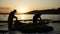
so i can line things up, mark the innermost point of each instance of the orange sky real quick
(8, 5)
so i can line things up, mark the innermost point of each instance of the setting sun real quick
(22, 10)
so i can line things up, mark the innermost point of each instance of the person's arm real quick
(15, 17)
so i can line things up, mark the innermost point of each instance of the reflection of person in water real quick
(10, 19)
(35, 18)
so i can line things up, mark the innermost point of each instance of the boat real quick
(31, 28)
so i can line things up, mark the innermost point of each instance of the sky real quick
(28, 4)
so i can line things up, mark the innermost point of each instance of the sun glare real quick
(22, 16)
(22, 10)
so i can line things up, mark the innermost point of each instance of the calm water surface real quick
(30, 16)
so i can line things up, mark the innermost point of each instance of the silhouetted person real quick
(35, 18)
(10, 19)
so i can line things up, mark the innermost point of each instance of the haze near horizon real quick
(27, 5)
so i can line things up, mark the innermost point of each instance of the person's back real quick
(11, 15)
(35, 18)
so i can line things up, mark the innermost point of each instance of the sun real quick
(22, 10)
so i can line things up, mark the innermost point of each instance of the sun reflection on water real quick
(22, 17)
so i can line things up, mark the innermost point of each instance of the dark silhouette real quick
(10, 19)
(17, 25)
(47, 11)
(35, 18)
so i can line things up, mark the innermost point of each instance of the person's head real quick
(15, 10)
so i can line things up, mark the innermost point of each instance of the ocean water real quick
(56, 26)
(30, 16)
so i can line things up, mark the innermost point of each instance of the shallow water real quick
(56, 27)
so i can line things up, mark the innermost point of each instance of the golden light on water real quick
(22, 17)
